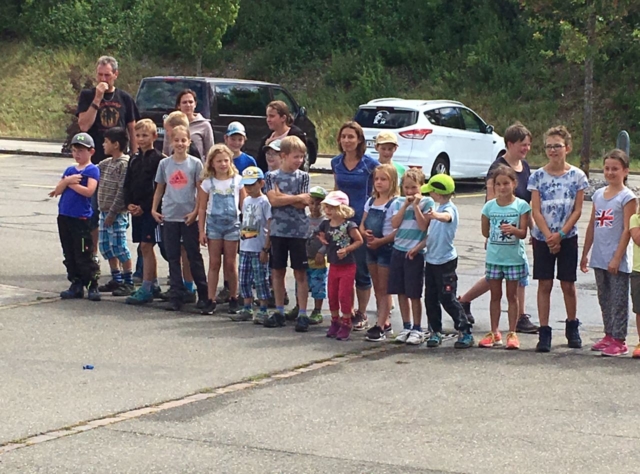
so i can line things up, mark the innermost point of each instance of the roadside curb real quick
(49, 154)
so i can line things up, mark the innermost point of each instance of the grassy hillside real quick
(37, 93)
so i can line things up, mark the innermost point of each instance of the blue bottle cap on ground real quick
(87, 367)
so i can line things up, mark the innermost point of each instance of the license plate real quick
(160, 132)
(371, 144)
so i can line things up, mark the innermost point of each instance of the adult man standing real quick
(99, 109)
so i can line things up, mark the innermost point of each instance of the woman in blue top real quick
(353, 174)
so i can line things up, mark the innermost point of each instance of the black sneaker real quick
(174, 305)
(157, 292)
(209, 307)
(375, 334)
(190, 297)
(572, 333)
(124, 289)
(163, 295)
(525, 325)
(544, 339)
(233, 306)
(275, 320)
(359, 321)
(388, 330)
(201, 304)
(93, 294)
(109, 287)
(302, 324)
(75, 291)
(467, 310)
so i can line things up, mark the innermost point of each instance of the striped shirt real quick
(111, 189)
(408, 234)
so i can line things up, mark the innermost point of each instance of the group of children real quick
(408, 229)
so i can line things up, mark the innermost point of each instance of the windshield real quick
(161, 94)
(385, 117)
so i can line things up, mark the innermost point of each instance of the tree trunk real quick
(587, 120)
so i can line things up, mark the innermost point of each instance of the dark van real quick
(224, 101)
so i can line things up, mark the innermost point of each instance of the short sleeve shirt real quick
(440, 248)
(408, 234)
(243, 161)
(338, 238)
(71, 203)
(523, 177)
(557, 197)
(223, 187)
(356, 183)
(608, 228)
(391, 211)
(256, 213)
(503, 249)
(181, 179)
(287, 221)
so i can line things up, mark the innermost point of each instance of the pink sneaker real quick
(602, 344)
(334, 328)
(615, 349)
(345, 330)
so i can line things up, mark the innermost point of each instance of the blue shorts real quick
(523, 282)
(317, 280)
(222, 231)
(112, 240)
(380, 256)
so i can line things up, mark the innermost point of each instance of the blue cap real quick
(236, 128)
(251, 174)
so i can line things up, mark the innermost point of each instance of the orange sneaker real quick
(512, 341)
(636, 352)
(491, 340)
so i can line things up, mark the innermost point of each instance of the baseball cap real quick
(439, 184)
(236, 128)
(318, 192)
(386, 137)
(335, 198)
(274, 145)
(83, 139)
(251, 174)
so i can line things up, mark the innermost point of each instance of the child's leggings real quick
(613, 296)
(342, 279)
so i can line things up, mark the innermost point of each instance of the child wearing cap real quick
(342, 237)
(386, 146)
(235, 139)
(317, 255)
(441, 281)
(220, 199)
(254, 246)
(75, 188)
(272, 155)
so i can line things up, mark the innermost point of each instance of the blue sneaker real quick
(140, 296)
(302, 324)
(465, 341)
(434, 340)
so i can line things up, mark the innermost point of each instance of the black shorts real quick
(406, 276)
(284, 247)
(145, 229)
(544, 262)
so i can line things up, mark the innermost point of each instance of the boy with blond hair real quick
(386, 146)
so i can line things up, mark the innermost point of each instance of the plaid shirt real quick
(111, 189)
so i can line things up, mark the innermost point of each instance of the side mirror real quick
(302, 112)
(489, 129)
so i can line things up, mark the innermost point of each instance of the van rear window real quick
(385, 117)
(160, 95)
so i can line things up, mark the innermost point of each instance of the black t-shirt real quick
(117, 109)
(523, 177)
(338, 238)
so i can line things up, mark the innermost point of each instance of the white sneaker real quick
(402, 336)
(415, 337)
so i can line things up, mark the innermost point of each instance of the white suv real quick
(441, 136)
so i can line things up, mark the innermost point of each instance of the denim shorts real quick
(380, 256)
(217, 230)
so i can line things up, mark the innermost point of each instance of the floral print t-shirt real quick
(338, 238)
(557, 197)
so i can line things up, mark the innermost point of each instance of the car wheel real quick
(441, 165)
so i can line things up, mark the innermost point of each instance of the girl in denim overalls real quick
(378, 234)
(221, 197)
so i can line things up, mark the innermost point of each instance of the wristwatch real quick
(562, 234)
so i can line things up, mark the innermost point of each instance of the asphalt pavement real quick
(189, 393)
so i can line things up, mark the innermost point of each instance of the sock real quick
(116, 276)
(406, 326)
(147, 285)
(128, 278)
(263, 309)
(191, 286)
(302, 312)
(417, 327)
(280, 309)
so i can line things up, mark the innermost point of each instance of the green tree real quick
(198, 26)
(585, 27)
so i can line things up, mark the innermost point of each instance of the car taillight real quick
(417, 134)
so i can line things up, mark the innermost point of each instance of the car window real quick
(161, 94)
(471, 121)
(385, 117)
(244, 100)
(450, 118)
(279, 94)
(433, 116)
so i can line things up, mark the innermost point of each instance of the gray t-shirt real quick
(287, 221)
(608, 228)
(181, 179)
(256, 213)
